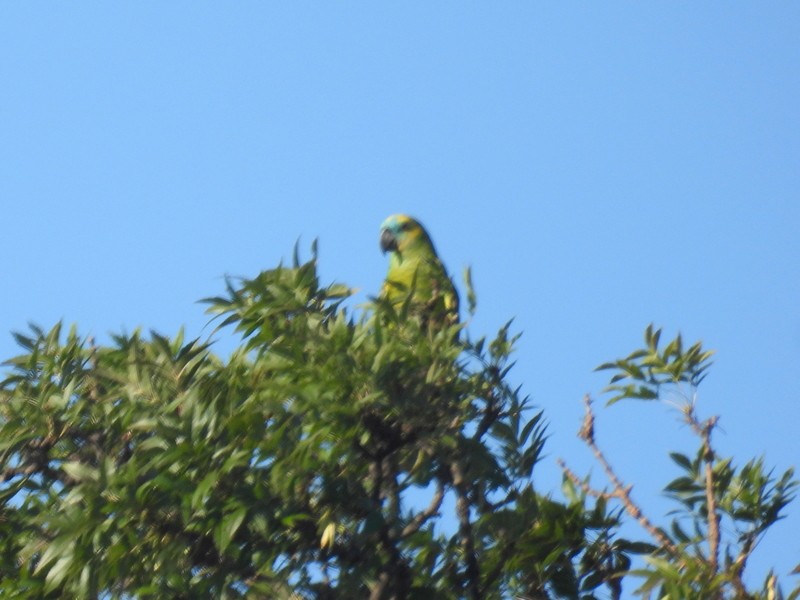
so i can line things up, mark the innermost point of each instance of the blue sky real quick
(599, 166)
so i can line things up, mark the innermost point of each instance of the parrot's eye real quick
(405, 226)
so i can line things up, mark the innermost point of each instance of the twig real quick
(587, 489)
(621, 492)
(490, 413)
(741, 561)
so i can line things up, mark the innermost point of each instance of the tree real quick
(332, 455)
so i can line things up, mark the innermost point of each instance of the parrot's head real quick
(401, 234)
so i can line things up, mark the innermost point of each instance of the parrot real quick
(415, 268)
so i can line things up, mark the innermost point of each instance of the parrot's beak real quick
(388, 241)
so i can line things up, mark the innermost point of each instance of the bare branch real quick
(621, 492)
(432, 510)
(587, 489)
(703, 430)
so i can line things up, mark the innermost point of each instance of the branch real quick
(421, 518)
(34, 458)
(621, 492)
(392, 495)
(393, 573)
(585, 487)
(704, 431)
(465, 530)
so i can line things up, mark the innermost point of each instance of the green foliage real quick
(332, 455)
(723, 511)
(645, 371)
(316, 462)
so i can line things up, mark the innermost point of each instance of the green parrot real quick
(415, 268)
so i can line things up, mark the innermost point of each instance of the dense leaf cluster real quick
(331, 455)
(327, 457)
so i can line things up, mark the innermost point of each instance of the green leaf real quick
(681, 460)
(80, 471)
(203, 488)
(57, 573)
(226, 530)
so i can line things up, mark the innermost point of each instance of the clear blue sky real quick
(600, 167)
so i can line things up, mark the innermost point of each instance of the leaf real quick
(200, 493)
(328, 536)
(226, 530)
(338, 290)
(57, 573)
(681, 460)
(636, 547)
(472, 301)
(80, 471)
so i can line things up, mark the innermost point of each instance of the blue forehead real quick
(395, 223)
